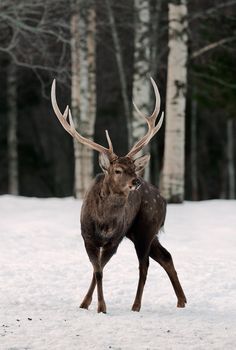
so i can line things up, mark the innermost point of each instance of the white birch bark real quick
(142, 66)
(230, 158)
(91, 77)
(155, 16)
(13, 181)
(83, 90)
(174, 158)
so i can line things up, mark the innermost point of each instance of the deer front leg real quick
(142, 250)
(95, 258)
(101, 301)
(105, 255)
(99, 257)
(88, 297)
(107, 252)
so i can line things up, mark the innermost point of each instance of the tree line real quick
(102, 54)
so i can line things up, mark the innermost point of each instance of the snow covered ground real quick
(44, 274)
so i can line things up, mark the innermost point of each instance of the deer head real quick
(121, 172)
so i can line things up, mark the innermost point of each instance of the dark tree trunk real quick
(13, 181)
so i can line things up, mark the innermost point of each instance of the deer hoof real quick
(85, 303)
(181, 303)
(136, 307)
(102, 308)
(84, 306)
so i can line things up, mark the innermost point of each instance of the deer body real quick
(124, 212)
(121, 203)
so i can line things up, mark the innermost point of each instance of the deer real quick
(120, 203)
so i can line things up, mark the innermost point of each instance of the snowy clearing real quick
(45, 273)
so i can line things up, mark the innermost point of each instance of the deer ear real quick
(104, 162)
(141, 162)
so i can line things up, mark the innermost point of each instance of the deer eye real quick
(117, 171)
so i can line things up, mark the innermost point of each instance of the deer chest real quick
(108, 231)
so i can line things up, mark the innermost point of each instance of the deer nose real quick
(136, 183)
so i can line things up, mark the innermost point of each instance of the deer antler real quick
(152, 129)
(70, 128)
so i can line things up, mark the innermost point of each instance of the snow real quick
(45, 273)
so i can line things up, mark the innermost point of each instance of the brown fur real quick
(112, 209)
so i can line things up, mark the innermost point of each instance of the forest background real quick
(102, 54)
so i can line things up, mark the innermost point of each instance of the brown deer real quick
(121, 203)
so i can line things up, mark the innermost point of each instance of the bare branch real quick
(212, 46)
(215, 80)
(212, 10)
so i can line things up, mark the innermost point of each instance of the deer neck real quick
(110, 212)
(110, 197)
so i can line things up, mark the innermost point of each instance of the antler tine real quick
(109, 141)
(158, 99)
(152, 129)
(62, 118)
(70, 127)
(151, 119)
(143, 142)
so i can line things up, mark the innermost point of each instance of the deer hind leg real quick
(163, 257)
(142, 251)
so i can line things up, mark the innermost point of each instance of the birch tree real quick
(155, 63)
(142, 66)
(174, 159)
(83, 89)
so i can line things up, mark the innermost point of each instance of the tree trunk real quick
(83, 90)
(13, 180)
(155, 16)
(121, 70)
(141, 83)
(174, 159)
(230, 159)
(193, 155)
